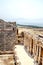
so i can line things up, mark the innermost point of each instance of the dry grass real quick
(32, 31)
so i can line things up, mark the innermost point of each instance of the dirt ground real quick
(22, 57)
(31, 30)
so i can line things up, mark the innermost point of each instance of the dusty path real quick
(23, 57)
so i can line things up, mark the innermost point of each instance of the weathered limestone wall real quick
(7, 35)
(28, 43)
(38, 49)
(20, 37)
(34, 44)
(35, 47)
(7, 59)
(40, 57)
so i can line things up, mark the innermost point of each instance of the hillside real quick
(29, 26)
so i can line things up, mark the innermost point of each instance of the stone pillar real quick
(42, 60)
(30, 45)
(36, 54)
(39, 55)
(33, 48)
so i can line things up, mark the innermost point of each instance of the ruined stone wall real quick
(7, 35)
(26, 42)
(27, 39)
(34, 45)
(38, 49)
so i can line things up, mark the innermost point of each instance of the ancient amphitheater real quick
(20, 46)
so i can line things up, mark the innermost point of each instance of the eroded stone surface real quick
(6, 59)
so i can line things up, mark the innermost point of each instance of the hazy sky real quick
(27, 9)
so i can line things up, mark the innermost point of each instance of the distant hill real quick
(29, 26)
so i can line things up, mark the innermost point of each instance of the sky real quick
(22, 9)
